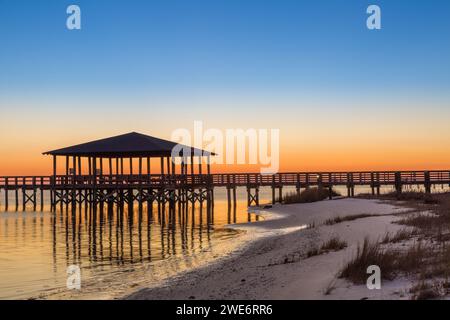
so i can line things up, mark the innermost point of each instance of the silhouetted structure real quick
(88, 178)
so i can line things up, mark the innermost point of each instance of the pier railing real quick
(299, 179)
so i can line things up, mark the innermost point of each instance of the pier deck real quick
(192, 187)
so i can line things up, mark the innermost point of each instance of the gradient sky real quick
(343, 97)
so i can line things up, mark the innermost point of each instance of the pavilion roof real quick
(132, 144)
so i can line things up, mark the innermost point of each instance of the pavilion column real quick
(140, 168)
(101, 167)
(67, 170)
(208, 165)
(162, 166)
(110, 169)
(168, 165)
(200, 165)
(148, 168)
(121, 166)
(131, 166)
(79, 167)
(89, 167)
(173, 166)
(192, 164)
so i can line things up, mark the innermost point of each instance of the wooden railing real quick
(299, 179)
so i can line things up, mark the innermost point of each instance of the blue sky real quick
(342, 96)
(219, 47)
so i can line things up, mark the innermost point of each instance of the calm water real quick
(117, 253)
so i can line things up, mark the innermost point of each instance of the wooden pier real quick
(172, 188)
(104, 171)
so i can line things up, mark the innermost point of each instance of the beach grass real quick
(309, 195)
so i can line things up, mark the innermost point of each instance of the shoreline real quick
(272, 265)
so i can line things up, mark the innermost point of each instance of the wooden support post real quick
(148, 169)
(34, 193)
(6, 193)
(257, 195)
(398, 182)
(208, 165)
(168, 165)
(172, 160)
(280, 193)
(94, 167)
(427, 182)
(74, 180)
(53, 187)
(80, 171)
(16, 191)
(378, 183)
(274, 200)
(372, 183)
(24, 194)
(67, 167)
(348, 186)
(42, 193)
(131, 166)
(200, 165)
(110, 169)
(90, 169)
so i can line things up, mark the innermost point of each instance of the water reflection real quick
(113, 245)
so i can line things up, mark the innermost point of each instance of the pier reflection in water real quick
(116, 248)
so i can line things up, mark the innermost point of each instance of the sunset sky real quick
(344, 97)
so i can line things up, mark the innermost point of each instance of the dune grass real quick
(340, 219)
(309, 195)
(391, 261)
(332, 244)
(400, 235)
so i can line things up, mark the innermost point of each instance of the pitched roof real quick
(132, 144)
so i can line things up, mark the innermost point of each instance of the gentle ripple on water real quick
(116, 252)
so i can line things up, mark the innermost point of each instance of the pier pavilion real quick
(95, 171)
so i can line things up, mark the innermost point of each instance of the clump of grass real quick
(309, 195)
(340, 219)
(422, 221)
(366, 255)
(330, 287)
(312, 252)
(400, 235)
(332, 244)
(390, 261)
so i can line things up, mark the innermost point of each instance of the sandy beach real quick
(275, 265)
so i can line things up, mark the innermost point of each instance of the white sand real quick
(258, 272)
